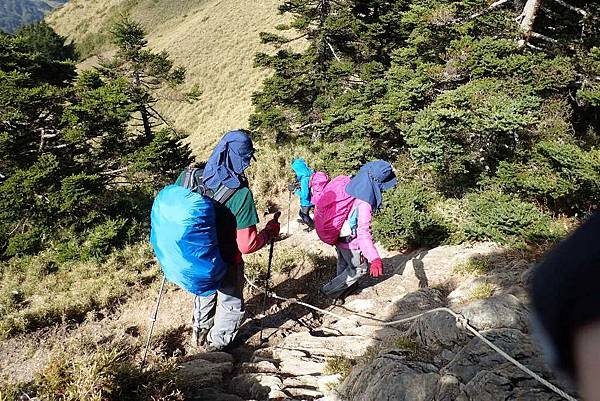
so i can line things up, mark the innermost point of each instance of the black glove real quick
(293, 186)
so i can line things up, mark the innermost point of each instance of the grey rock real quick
(499, 311)
(202, 373)
(303, 393)
(257, 385)
(258, 367)
(391, 377)
(213, 394)
(418, 301)
(477, 356)
(507, 382)
(349, 346)
(449, 389)
(437, 330)
(464, 290)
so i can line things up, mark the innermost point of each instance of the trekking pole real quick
(152, 321)
(271, 246)
(288, 213)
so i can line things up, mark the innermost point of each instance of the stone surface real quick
(449, 389)
(464, 290)
(391, 377)
(349, 346)
(434, 266)
(477, 356)
(499, 311)
(437, 330)
(496, 384)
(257, 385)
(213, 394)
(418, 301)
(202, 373)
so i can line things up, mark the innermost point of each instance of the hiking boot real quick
(198, 338)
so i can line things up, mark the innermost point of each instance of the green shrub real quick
(25, 243)
(339, 365)
(468, 131)
(561, 176)
(406, 343)
(508, 220)
(345, 158)
(407, 219)
(477, 266)
(482, 291)
(102, 238)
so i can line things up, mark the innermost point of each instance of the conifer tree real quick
(448, 85)
(144, 70)
(72, 171)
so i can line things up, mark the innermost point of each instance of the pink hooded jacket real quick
(364, 240)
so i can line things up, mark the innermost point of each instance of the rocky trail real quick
(310, 356)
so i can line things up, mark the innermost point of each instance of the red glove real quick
(376, 268)
(272, 227)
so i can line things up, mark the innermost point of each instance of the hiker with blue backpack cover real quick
(201, 226)
(301, 188)
(343, 214)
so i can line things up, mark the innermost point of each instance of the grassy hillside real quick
(215, 40)
(16, 13)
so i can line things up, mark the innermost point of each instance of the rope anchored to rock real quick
(461, 322)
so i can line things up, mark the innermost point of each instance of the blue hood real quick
(371, 180)
(301, 169)
(228, 160)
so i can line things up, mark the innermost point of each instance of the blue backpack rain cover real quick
(184, 238)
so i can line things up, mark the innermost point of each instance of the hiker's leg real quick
(341, 262)
(230, 308)
(305, 216)
(358, 266)
(347, 274)
(204, 311)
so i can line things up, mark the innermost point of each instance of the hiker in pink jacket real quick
(356, 251)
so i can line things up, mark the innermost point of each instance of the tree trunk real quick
(529, 13)
(146, 122)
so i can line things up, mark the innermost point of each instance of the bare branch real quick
(492, 6)
(162, 118)
(543, 37)
(333, 51)
(571, 7)
(112, 172)
(534, 47)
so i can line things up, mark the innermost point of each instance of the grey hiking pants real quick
(222, 312)
(351, 266)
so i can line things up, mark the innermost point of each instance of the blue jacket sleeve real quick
(304, 193)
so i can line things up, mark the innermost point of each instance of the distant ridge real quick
(17, 13)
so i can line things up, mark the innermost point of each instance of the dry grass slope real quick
(214, 39)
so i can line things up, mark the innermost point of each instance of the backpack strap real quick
(194, 181)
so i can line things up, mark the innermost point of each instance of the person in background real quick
(301, 188)
(356, 252)
(216, 318)
(565, 292)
